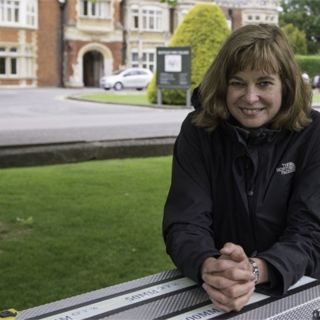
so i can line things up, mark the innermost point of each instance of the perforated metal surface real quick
(183, 300)
(162, 307)
(298, 306)
(93, 295)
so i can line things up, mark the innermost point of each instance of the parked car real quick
(133, 78)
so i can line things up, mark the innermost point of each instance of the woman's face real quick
(254, 97)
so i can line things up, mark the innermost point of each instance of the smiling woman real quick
(242, 213)
(253, 97)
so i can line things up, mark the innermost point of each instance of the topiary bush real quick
(204, 28)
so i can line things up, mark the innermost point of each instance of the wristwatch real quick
(255, 270)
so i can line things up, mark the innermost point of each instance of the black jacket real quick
(260, 190)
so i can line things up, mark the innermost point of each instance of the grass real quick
(69, 229)
(135, 99)
(140, 98)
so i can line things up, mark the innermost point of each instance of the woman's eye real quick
(264, 84)
(236, 83)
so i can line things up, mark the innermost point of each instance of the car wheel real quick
(139, 89)
(118, 86)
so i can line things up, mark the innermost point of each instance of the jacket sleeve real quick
(297, 252)
(187, 214)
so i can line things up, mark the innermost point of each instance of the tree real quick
(171, 3)
(204, 28)
(305, 15)
(296, 38)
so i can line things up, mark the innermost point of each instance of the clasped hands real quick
(228, 280)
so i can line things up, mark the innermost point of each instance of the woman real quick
(244, 203)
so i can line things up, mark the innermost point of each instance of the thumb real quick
(235, 252)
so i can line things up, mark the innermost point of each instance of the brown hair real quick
(261, 47)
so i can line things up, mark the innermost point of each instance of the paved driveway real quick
(45, 115)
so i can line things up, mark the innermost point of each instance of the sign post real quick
(173, 70)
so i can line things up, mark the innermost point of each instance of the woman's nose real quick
(251, 95)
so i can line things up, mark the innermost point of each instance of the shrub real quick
(204, 29)
(309, 64)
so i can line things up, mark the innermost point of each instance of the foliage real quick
(305, 15)
(296, 38)
(171, 3)
(204, 28)
(116, 98)
(309, 64)
(70, 229)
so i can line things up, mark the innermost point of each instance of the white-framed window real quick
(8, 61)
(21, 13)
(147, 59)
(134, 59)
(16, 62)
(98, 9)
(135, 18)
(10, 11)
(31, 13)
(146, 18)
(151, 19)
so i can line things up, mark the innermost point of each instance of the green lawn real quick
(132, 98)
(69, 229)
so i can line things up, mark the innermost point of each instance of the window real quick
(9, 11)
(31, 13)
(135, 18)
(8, 61)
(98, 9)
(21, 13)
(148, 60)
(134, 59)
(2, 65)
(17, 62)
(151, 19)
(146, 19)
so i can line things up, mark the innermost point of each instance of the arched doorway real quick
(93, 68)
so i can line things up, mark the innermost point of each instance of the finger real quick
(235, 252)
(241, 302)
(238, 290)
(220, 306)
(225, 303)
(219, 265)
(238, 274)
(219, 300)
(218, 281)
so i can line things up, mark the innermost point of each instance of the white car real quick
(133, 78)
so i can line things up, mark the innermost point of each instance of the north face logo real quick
(286, 168)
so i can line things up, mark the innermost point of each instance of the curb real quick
(153, 106)
(37, 155)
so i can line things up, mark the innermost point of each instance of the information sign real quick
(173, 67)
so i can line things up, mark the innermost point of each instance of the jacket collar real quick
(249, 136)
